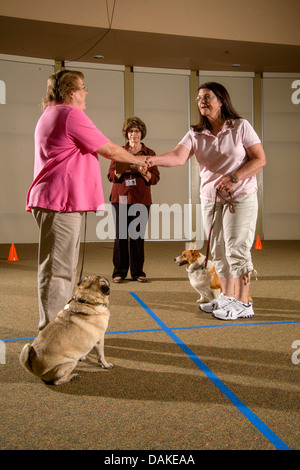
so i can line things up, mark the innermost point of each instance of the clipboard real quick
(123, 167)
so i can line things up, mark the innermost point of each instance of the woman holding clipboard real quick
(131, 200)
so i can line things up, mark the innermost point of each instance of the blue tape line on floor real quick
(6, 340)
(262, 427)
(196, 327)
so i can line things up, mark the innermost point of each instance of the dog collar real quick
(87, 302)
(66, 307)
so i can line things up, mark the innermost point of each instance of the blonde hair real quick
(59, 86)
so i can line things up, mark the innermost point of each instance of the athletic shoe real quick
(234, 310)
(219, 302)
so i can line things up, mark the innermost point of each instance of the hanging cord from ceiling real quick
(110, 21)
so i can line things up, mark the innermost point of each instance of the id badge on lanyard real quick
(130, 182)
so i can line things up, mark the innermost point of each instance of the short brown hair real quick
(59, 86)
(134, 122)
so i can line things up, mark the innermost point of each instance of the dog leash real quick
(231, 209)
(84, 242)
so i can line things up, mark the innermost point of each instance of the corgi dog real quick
(204, 280)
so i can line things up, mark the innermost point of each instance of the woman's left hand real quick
(226, 184)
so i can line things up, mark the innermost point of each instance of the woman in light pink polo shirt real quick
(230, 154)
(67, 182)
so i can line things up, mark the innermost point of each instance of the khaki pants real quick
(59, 244)
(232, 235)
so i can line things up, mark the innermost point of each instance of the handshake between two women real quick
(144, 165)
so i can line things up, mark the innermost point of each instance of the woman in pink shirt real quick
(230, 154)
(67, 182)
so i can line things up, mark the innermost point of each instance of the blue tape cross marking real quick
(197, 327)
(262, 427)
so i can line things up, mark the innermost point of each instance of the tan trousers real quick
(232, 235)
(59, 244)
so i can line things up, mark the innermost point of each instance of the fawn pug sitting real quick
(78, 328)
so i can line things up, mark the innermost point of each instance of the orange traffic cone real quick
(258, 245)
(12, 254)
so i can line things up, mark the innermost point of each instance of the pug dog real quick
(77, 329)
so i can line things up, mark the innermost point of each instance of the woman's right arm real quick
(114, 152)
(176, 157)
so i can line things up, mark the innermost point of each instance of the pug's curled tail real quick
(25, 357)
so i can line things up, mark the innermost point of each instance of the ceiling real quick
(64, 42)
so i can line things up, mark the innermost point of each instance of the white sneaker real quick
(234, 310)
(219, 302)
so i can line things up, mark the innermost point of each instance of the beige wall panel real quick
(282, 145)
(25, 86)
(161, 100)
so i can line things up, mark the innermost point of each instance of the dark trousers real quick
(129, 241)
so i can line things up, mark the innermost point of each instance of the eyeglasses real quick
(85, 88)
(204, 98)
(133, 131)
